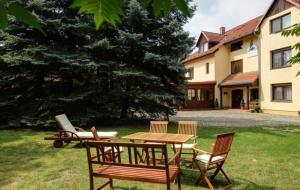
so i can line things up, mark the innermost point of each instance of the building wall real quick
(249, 63)
(199, 66)
(270, 76)
(222, 70)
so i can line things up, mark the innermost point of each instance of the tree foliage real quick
(133, 70)
(102, 10)
(294, 31)
(13, 8)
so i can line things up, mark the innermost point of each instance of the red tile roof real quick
(235, 33)
(213, 37)
(240, 79)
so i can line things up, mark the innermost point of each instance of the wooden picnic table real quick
(160, 137)
(167, 138)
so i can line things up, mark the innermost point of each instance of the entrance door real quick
(237, 96)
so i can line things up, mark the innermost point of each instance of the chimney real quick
(222, 30)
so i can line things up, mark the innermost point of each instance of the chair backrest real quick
(158, 127)
(187, 127)
(65, 124)
(95, 134)
(131, 156)
(223, 144)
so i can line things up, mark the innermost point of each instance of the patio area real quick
(235, 118)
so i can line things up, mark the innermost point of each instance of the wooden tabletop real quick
(159, 137)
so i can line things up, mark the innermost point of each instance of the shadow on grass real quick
(189, 178)
(125, 188)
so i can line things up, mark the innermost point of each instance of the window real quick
(280, 58)
(204, 94)
(236, 45)
(280, 23)
(254, 94)
(282, 92)
(203, 47)
(237, 66)
(207, 68)
(191, 94)
(190, 73)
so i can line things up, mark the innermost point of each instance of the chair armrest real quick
(79, 129)
(202, 151)
(175, 158)
(63, 132)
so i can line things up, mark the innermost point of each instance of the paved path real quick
(236, 118)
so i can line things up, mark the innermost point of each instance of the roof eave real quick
(186, 62)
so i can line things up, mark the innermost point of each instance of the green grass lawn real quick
(261, 158)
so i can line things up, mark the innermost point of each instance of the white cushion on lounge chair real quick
(205, 158)
(65, 123)
(185, 146)
(109, 148)
(100, 134)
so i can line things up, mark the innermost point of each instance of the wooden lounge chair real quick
(68, 133)
(214, 159)
(188, 128)
(129, 167)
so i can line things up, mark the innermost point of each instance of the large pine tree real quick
(132, 70)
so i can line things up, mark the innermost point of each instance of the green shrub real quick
(257, 108)
(242, 104)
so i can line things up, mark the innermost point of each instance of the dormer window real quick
(203, 47)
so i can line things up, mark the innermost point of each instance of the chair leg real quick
(219, 167)
(178, 182)
(209, 183)
(168, 185)
(110, 183)
(91, 183)
(227, 178)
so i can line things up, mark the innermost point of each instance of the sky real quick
(210, 15)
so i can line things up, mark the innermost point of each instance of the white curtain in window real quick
(189, 94)
(278, 93)
(288, 93)
(286, 21)
(277, 60)
(287, 56)
(198, 95)
(276, 25)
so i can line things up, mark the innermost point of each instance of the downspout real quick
(255, 33)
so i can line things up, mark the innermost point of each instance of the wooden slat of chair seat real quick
(136, 173)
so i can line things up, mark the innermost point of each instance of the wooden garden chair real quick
(158, 127)
(108, 151)
(214, 159)
(188, 128)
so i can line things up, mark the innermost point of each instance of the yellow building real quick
(248, 63)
